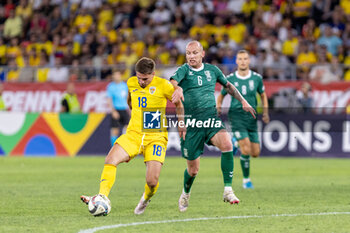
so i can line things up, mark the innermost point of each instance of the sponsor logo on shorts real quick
(185, 153)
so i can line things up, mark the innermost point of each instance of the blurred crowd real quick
(61, 40)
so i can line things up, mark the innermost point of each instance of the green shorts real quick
(241, 133)
(193, 146)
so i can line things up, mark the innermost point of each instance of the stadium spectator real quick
(106, 71)
(13, 26)
(65, 9)
(301, 12)
(2, 103)
(161, 17)
(310, 31)
(272, 18)
(83, 21)
(218, 29)
(226, 43)
(69, 102)
(324, 72)
(305, 98)
(330, 40)
(290, 45)
(56, 21)
(181, 42)
(8, 7)
(91, 5)
(3, 52)
(58, 73)
(202, 7)
(2, 20)
(97, 60)
(236, 30)
(229, 60)
(319, 8)
(89, 73)
(43, 71)
(24, 10)
(200, 27)
(74, 70)
(140, 28)
(277, 66)
(235, 6)
(26, 73)
(248, 9)
(305, 59)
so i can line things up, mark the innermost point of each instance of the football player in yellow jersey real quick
(145, 134)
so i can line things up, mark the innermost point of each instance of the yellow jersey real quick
(148, 106)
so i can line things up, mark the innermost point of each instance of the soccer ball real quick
(99, 205)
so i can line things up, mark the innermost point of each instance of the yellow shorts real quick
(152, 146)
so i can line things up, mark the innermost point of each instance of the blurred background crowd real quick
(68, 40)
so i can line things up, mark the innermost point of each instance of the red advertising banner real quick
(46, 97)
(327, 98)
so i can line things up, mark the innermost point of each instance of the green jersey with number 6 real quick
(248, 86)
(199, 87)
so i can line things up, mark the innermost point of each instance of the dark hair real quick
(145, 66)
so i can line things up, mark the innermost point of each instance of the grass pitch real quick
(42, 195)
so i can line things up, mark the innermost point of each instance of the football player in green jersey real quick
(195, 82)
(244, 127)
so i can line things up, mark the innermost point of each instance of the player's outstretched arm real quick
(232, 90)
(178, 93)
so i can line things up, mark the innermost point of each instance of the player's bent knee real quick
(193, 171)
(255, 154)
(152, 182)
(226, 146)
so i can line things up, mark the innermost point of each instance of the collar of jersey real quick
(244, 77)
(198, 69)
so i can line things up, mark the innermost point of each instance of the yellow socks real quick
(107, 179)
(149, 192)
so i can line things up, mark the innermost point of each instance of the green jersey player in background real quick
(195, 84)
(243, 125)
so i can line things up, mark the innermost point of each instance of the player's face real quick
(144, 79)
(71, 88)
(194, 55)
(243, 61)
(117, 77)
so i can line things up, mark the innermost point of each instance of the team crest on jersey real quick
(207, 73)
(236, 84)
(190, 73)
(152, 90)
(151, 119)
(251, 85)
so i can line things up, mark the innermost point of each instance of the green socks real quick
(227, 167)
(245, 164)
(188, 181)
